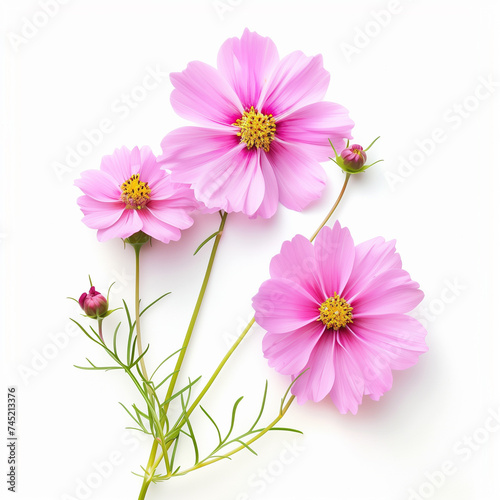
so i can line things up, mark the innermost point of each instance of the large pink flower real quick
(263, 131)
(133, 193)
(336, 313)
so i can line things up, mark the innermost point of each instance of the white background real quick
(402, 73)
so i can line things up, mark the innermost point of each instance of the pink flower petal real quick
(315, 383)
(128, 224)
(314, 125)
(189, 151)
(296, 262)
(334, 251)
(347, 390)
(235, 183)
(297, 81)
(202, 95)
(282, 306)
(158, 229)
(246, 64)
(165, 212)
(148, 169)
(301, 179)
(135, 161)
(372, 258)
(373, 362)
(99, 214)
(401, 337)
(117, 165)
(270, 202)
(392, 291)
(289, 352)
(99, 185)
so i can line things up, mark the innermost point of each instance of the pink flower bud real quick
(354, 157)
(94, 304)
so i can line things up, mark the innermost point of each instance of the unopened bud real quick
(353, 158)
(94, 304)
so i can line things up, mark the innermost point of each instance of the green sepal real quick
(138, 239)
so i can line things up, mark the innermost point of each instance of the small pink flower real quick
(336, 313)
(263, 128)
(131, 193)
(93, 303)
(354, 156)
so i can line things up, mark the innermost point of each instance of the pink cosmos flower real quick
(263, 130)
(337, 313)
(131, 193)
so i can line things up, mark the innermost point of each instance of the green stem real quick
(196, 311)
(335, 205)
(99, 324)
(210, 382)
(151, 466)
(137, 249)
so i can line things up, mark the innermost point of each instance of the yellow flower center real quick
(256, 130)
(335, 312)
(135, 193)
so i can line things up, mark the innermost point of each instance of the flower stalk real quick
(154, 462)
(137, 249)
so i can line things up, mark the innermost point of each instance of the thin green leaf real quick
(165, 379)
(94, 367)
(131, 416)
(233, 416)
(132, 353)
(181, 391)
(289, 388)
(213, 235)
(174, 451)
(191, 432)
(213, 422)
(246, 446)
(153, 303)
(165, 360)
(261, 408)
(140, 430)
(139, 358)
(288, 429)
(134, 406)
(114, 338)
(85, 332)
